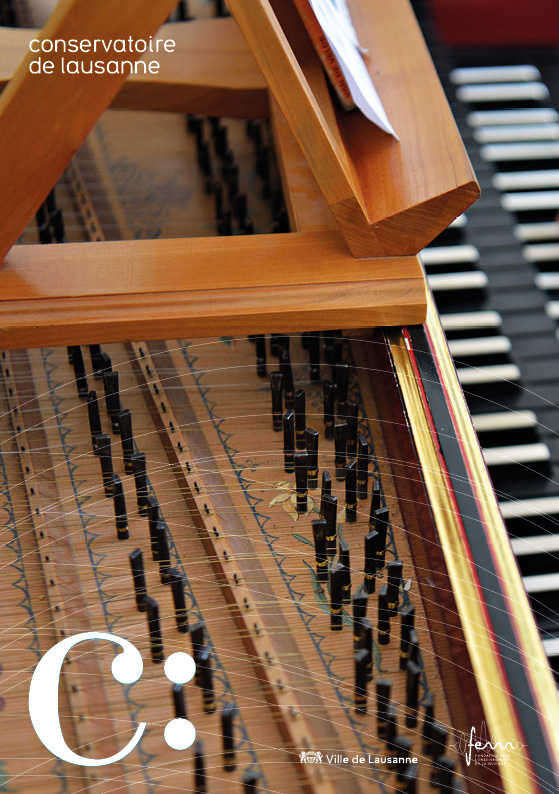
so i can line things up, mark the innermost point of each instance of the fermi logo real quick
(127, 667)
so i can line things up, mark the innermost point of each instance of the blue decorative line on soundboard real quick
(30, 623)
(227, 694)
(327, 659)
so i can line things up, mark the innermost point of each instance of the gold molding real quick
(498, 705)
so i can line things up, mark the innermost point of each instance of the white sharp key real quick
(498, 373)
(541, 583)
(552, 310)
(511, 152)
(466, 321)
(504, 420)
(485, 118)
(503, 92)
(526, 180)
(547, 281)
(451, 282)
(459, 222)
(449, 255)
(518, 454)
(479, 346)
(516, 133)
(532, 232)
(527, 202)
(494, 74)
(531, 508)
(545, 252)
(551, 646)
(537, 544)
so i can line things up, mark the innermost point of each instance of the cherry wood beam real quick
(81, 293)
(191, 79)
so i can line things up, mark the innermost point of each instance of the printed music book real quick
(329, 25)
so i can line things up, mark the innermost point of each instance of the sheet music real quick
(334, 18)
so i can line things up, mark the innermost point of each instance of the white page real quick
(334, 19)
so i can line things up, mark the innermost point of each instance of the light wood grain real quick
(130, 290)
(45, 118)
(401, 194)
(191, 79)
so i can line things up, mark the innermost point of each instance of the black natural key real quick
(300, 418)
(119, 503)
(340, 441)
(336, 584)
(344, 561)
(311, 439)
(314, 355)
(361, 679)
(351, 492)
(382, 519)
(301, 471)
(153, 518)
(200, 784)
(288, 387)
(359, 613)
(177, 588)
(329, 395)
(402, 746)
(154, 625)
(284, 342)
(250, 782)
(321, 557)
(228, 737)
(330, 512)
(112, 398)
(276, 382)
(93, 414)
(138, 575)
(179, 702)
(79, 371)
(261, 356)
(288, 442)
(407, 624)
(384, 687)
(351, 419)
(375, 504)
(383, 617)
(325, 490)
(127, 439)
(412, 687)
(372, 540)
(428, 722)
(274, 346)
(103, 451)
(204, 663)
(328, 338)
(163, 556)
(138, 461)
(342, 380)
(362, 468)
(394, 573)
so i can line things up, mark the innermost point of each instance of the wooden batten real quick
(133, 290)
(191, 79)
(388, 197)
(45, 118)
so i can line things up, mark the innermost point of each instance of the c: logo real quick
(127, 668)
